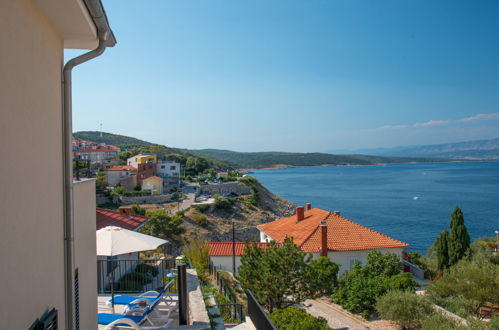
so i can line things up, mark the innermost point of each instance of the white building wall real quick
(85, 250)
(168, 169)
(225, 262)
(346, 259)
(32, 232)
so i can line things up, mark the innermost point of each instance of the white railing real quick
(415, 270)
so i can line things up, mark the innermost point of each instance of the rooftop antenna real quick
(100, 129)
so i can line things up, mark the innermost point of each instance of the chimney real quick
(300, 213)
(126, 211)
(308, 206)
(336, 213)
(323, 228)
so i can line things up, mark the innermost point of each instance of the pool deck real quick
(118, 309)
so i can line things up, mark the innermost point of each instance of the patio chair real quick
(135, 318)
(145, 298)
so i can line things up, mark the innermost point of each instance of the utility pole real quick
(101, 130)
(233, 248)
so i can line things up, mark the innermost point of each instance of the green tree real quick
(275, 274)
(162, 224)
(442, 250)
(404, 307)
(359, 288)
(321, 276)
(459, 239)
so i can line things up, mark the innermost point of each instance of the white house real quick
(324, 233)
(168, 169)
(319, 232)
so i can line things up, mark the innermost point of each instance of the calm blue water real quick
(381, 197)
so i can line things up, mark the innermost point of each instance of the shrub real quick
(145, 269)
(437, 321)
(202, 208)
(198, 251)
(200, 219)
(138, 210)
(292, 318)
(248, 180)
(402, 281)
(223, 203)
(476, 280)
(404, 307)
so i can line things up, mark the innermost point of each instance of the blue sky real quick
(294, 75)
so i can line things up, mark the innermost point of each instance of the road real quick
(335, 319)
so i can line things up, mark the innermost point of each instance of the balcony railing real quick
(135, 275)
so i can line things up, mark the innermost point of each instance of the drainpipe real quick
(68, 175)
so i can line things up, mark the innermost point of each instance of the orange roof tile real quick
(122, 168)
(219, 249)
(112, 218)
(342, 234)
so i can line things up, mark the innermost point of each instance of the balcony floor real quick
(103, 308)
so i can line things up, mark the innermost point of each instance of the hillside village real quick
(104, 235)
(149, 193)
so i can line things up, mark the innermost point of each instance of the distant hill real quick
(114, 139)
(477, 149)
(132, 146)
(278, 159)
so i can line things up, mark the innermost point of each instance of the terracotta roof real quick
(219, 249)
(100, 149)
(112, 218)
(342, 234)
(122, 168)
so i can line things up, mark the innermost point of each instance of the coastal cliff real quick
(214, 222)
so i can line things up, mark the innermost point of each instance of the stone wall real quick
(149, 199)
(224, 188)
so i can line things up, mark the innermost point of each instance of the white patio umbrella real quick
(113, 241)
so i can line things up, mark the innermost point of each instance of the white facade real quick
(225, 262)
(345, 259)
(166, 169)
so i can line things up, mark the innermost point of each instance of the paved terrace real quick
(198, 316)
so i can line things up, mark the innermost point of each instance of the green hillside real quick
(118, 140)
(194, 163)
(197, 161)
(272, 159)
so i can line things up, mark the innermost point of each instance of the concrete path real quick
(335, 319)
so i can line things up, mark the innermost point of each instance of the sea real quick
(409, 202)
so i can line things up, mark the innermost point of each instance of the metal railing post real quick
(182, 295)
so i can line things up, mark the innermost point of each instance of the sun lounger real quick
(136, 318)
(145, 298)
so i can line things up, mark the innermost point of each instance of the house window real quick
(172, 168)
(162, 166)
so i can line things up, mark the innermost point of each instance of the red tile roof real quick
(122, 168)
(342, 234)
(219, 249)
(100, 149)
(112, 218)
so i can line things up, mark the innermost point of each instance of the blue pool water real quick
(410, 202)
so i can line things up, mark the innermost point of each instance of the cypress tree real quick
(459, 240)
(442, 248)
